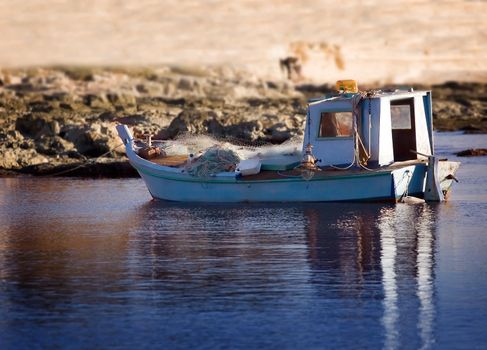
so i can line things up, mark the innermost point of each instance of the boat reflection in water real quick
(390, 247)
(365, 264)
(400, 238)
(297, 276)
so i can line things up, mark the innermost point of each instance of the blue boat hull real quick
(366, 186)
(387, 184)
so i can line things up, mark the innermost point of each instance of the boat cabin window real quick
(401, 116)
(336, 124)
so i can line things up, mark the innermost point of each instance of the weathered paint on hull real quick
(361, 187)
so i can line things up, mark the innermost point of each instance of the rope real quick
(284, 175)
(347, 167)
(357, 139)
(368, 169)
(356, 156)
(308, 114)
(93, 160)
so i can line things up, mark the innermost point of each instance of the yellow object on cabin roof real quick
(347, 86)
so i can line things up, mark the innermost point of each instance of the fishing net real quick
(213, 155)
(215, 160)
(197, 144)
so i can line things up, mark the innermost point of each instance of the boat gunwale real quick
(234, 180)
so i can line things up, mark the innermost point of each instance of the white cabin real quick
(391, 127)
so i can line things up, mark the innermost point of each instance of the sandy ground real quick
(371, 41)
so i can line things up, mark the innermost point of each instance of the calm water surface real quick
(97, 264)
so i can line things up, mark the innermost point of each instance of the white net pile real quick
(212, 155)
(214, 161)
(199, 144)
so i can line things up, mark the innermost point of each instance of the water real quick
(96, 264)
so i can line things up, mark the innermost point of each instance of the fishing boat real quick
(358, 146)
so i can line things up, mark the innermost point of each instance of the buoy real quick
(309, 160)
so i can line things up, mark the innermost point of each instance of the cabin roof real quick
(377, 94)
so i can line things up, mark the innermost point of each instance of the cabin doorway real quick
(403, 129)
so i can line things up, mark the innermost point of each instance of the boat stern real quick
(447, 174)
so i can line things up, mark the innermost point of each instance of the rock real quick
(32, 158)
(246, 131)
(41, 106)
(80, 136)
(66, 106)
(96, 101)
(65, 113)
(445, 109)
(102, 169)
(185, 84)
(107, 116)
(53, 145)
(21, 88)
(475, 131)
(36, 126)
(93, 140)
(8, 173)
(141, 88)
(125, 100)
(240, 92)
(75, 155)
(194, 122)
(53, 128)
(471, 129)
(27, 143)
(474, 152)
(311, 91)
(11, 138)
(8, 159)
(278, 133)
(16, 158)
(57, 96)
(169, 89)
(133, 119)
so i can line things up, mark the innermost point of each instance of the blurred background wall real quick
(372, 41)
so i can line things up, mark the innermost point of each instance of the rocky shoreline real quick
(60, 121)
